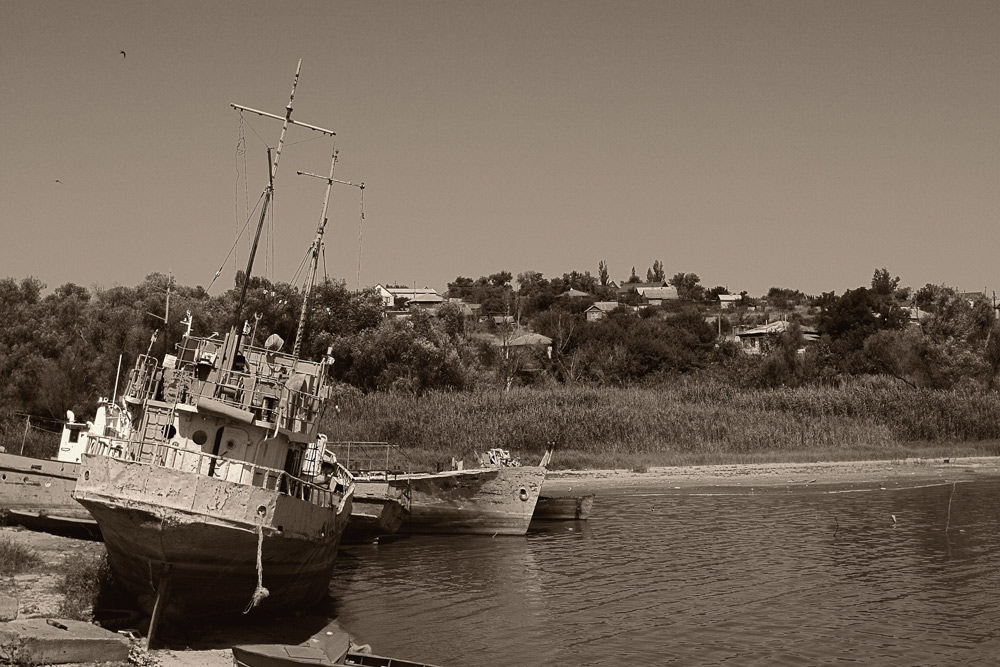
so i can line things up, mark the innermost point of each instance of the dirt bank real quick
(743, 476)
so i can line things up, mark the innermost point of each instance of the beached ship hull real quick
(39, 485)
(202, 534)
(372, 517)
(482, 501)
(563, 508)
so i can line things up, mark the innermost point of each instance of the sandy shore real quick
(741, 477)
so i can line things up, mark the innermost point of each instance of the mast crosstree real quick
(269, 188)
(317, 245)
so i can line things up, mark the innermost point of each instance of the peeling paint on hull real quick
(564, 508)
(371, 517)
(482, 501)
(209, 536)
(39, 485)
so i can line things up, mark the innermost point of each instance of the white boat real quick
(203, 484)
(38, 492)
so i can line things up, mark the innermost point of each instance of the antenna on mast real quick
(316, 245)
(269, 188)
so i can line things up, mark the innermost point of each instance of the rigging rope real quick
(260, 592)
(298, 271)
(233, 248)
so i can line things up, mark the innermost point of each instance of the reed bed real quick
(695, 420)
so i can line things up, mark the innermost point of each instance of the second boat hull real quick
(481, 501)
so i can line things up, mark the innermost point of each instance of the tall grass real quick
(83, 583)
(16, 558)
(694, 420)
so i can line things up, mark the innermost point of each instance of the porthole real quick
(86, 474)
(200, 437)
(523, 494)
(169, 431)
(261, 511)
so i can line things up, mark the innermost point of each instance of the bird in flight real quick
(58, 181)
(123, 53)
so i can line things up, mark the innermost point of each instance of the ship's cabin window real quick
(169, 431)
(74, 435)
(200, 437)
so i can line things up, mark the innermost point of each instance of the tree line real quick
(61, 350)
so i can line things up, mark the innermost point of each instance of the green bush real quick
(16, 558)
(84, 581)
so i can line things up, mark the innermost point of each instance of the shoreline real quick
(741, 477)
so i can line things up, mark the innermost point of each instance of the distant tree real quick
(850, 319)
(501, 279)
(687, 285)
(602, 273)
(783, 298)
(655, 274)
(531, 282)
(931, 297)
(633, 278)
(461, 288)
(713, 294)
(883, 284)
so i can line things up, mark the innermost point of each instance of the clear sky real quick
(796, 144)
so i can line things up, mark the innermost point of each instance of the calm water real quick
(810, 577)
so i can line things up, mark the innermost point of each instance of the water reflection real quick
(886, 577)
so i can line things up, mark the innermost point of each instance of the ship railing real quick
(370, 460)
(172, 457)
(269, 398)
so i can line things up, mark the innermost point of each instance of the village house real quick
(640, 288)
(391, 296)
(655, 296)
(600, 310)
(728, 300)
(761, 339)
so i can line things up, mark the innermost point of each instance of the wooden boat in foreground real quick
(283, 655)
(204, 484)
(371, 660)
(563, 508)
(497, 498)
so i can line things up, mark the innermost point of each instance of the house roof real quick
(629, 287)
(529, 339)
(408, 292)
(776, 327)
(427, 298)
(574, 292)
(658, 292)
(729, 297)
(602, 306)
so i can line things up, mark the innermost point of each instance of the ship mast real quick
(316, 246)
(269, 188)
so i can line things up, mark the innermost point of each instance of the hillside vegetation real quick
(893, 372)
